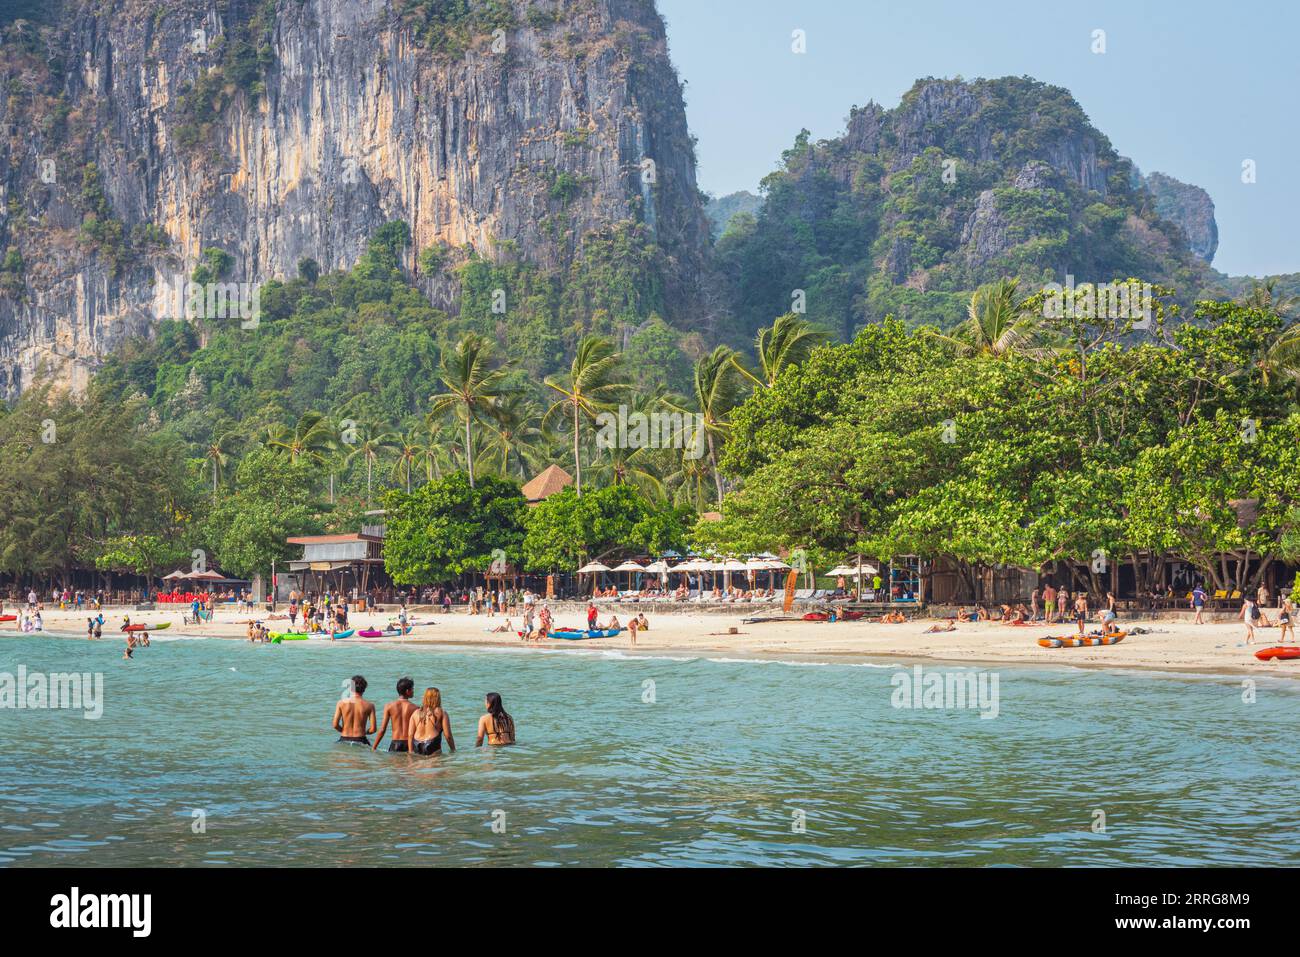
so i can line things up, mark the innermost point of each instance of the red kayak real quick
(8, 617)
(1280, 653)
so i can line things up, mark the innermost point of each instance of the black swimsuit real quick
(431, 746)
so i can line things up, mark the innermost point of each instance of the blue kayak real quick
(570, 635)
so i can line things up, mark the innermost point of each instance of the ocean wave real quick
(800, 664)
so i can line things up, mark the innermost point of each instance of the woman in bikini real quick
(496, 726)
(429, 725)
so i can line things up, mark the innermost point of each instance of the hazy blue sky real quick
(1190, 88)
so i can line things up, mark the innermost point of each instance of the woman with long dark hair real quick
(497, 726)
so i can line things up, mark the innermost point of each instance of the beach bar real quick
(348, 561)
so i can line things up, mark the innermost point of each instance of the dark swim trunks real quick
(431, 746)
(361, 740)
(397, 745)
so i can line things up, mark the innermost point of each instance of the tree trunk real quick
(577, 457)
(469, 451)
(713, 464)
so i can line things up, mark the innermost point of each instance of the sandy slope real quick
(1177, 645)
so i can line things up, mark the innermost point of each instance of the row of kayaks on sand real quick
(1276, 653)
(279, 636)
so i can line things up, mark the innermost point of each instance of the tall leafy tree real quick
(472, 382)
(717, 392)
(787, 342)
(372, 442)
(218, 452)
(311, 439)
(590, 387)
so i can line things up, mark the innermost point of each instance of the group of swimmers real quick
(415, 730)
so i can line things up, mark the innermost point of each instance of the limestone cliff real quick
(138, 133)
(1190, 208)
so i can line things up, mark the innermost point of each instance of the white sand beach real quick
(1174, 644)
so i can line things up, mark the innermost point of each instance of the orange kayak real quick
(1278, 653)
(1074, 641)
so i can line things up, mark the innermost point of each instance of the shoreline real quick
(1174, 646)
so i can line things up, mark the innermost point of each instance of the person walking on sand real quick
(1284, 621)
(1081, 611)
(399, 713)
(1033, 604)
(1198, 603)
(497, 727)
(1049, 603)
(1249, 615)
(429, 725)
(633, 625)
(354, 716)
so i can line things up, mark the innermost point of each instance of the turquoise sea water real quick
(719, 769)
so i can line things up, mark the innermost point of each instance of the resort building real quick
(339, 562)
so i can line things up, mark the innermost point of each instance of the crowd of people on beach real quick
(415, 730)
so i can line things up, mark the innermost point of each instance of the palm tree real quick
(717, 392)
(1279, 355)
(218, 452)
(997, 323)
(371, 443)
(688, 481)
(472, 383)
(640, 466)
(1264, 294)
(312, 438)
(514, 433)
(410, 449)
(789, 341)
(588, 389)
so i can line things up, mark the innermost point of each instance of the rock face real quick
(961, 184)
(1190, 208)
(523, 138)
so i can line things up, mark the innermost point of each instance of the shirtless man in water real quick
(354, 716)
(399, 713)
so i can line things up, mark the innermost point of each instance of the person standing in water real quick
(354, 716)
(429, 725)
(496, 726)
(399, 713)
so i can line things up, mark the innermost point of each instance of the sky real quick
(1189, 88)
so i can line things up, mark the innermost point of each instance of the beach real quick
(1173, 644)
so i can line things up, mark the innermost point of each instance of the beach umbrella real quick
(592, 568)
(630, 567)
(174, 576)
(729, 565)
(691, 565)
(852, 571)
(659, 568)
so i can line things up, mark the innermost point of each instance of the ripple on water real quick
(641, 760)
